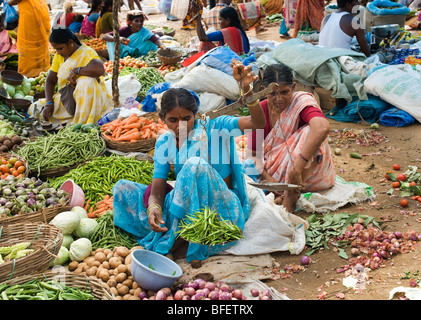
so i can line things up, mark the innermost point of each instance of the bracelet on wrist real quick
(153, 206)
(50, 102)
(254, 104)
(78, 69)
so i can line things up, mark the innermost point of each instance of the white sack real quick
(210, 101)
(128, 88)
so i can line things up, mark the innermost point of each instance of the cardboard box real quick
(324, 97)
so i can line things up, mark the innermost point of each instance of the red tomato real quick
(404, 202)
(396, 184)
(401, 177)
(413, 183)
(396, 167)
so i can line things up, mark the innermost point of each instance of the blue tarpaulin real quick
(395, 117)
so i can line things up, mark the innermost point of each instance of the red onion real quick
(266, 292)
(305, 260)
(200, 283)
(206, 291)
(210, 285)
(254, 292)
(186, 297)
(237, 294)
(225, 288)
(160, 295)
(214, 295)
(414, 237)
(193, 285)
(143, 295)
(167, 291)
(179, 295)
(190, 291)
(220, 283)
(398, 234)
(262, 297)
(225, 295)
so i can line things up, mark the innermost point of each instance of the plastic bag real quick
(11, 15)
(220, 59)
(180, 8)
(128, 87)
(150, 7)
(164, 7)
(211, 101)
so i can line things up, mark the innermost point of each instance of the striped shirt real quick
(212, 18)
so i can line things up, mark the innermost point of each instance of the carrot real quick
(87, 204)
(134, 125)
(107, 196)
(91, 215)
(117, 133)
(129, 136)
(146, 133)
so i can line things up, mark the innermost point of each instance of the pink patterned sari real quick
(283, 144)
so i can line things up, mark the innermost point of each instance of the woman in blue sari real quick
(208, 171)
(135, 41)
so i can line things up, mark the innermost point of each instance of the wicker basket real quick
(8, 156)
(44, 215)
(99, 289)
(45, 239)
(138, 146)
(170, 57)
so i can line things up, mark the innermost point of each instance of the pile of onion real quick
(200, 289)
(371, 246)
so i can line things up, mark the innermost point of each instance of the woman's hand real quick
(242, 73)
(154, 219)
(73, 76)
(48, 111)
(124, 41)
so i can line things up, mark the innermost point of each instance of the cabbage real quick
(86, 228)
(19, 95)
(62, 257)
(67, 221)
(28, 97)
(81, 211)
(10, 89)
(67, 240)
(80, 249)
(26, 88)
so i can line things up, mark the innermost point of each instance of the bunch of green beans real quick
(207, 227)
(38, 289)
(98, 176)
(65, 148)
(148, 77)
(108, 236)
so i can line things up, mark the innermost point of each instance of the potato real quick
(128, 260)
(107, 251)
(91, 271)
(122, 251)
(99, 250)
(122, 290)
(117, 297)
(89, 261)
(73, 265)
(114, 262)
(84, 266)
(135, 285)
(100, 256)
(133, 297)
(78, 270)
(109, 256)
(137, 291)
(104, 275)
(131, 291)
(129, 270)
(114, 291)
(106, 265)
(127, 296)
(128, 282)
(120, 269)
(121, 277)
(135, 248)
(96, 264)
(112, 283)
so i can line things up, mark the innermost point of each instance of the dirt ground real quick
(402, 146)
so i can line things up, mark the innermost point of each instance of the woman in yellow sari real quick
(32, 40)
(80, 66)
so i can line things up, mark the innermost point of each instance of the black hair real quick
(62, 36)
(278, 73)
(107, 4)
(177, 97)
(78, 18)
(342, 3)
(96, 4)
(131, 17)
(232, 15)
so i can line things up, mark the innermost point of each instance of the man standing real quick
(340, 27)
(212, 18)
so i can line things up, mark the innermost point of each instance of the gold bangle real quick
(254, 104)
(153, 206)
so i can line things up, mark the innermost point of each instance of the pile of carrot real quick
(100, 207)
(133, 128)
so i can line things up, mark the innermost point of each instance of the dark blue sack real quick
(395, 117)
(11, 15)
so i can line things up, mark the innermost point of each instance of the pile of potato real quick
(112, 267)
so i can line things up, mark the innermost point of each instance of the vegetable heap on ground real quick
(62, 149)
(133, 128)
(207, 227)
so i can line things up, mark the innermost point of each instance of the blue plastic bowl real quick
(165, 274)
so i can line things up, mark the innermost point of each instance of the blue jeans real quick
(283, 29)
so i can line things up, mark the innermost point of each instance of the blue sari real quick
(200, 165)
(139, 45)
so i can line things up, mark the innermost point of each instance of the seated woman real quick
(135, 41)
(81, 67)
(104, 23)
(76, 24)
(231, 33)
(89, 22)
(295, 148)
(207, 168)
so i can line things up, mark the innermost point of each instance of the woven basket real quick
(44, 215)
(8, 156)
(138, 146)
(171, 56)
(99, 289)
(45, 239)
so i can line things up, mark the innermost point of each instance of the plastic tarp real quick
(360, 110)
(395, 117)
(376, 8)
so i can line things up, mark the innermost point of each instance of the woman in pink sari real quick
(293, 147)
(7, 46)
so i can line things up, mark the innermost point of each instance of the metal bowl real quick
(385, 30)
(11, 77)
(18, 104)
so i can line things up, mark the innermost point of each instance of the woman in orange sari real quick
(32, 40)
(293, 147)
